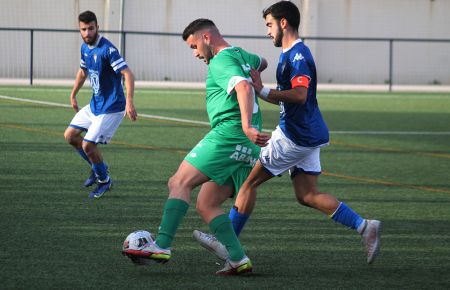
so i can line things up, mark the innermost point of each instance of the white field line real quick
(207, 123)
(140, 115)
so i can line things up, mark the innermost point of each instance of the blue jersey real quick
(302, 124)
(103, 64)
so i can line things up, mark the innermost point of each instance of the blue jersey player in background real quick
(102, 63)
(295, 144)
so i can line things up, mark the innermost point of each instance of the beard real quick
(209, 53)
(91, 40)
(277, 41)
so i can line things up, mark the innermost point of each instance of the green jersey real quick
(226, 69)
(225, 154)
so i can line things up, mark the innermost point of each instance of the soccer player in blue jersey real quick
(295, 144)
(101, 61)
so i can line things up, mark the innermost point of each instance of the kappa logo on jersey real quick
(95, 82)
(111, 50)
(243, 154)
(298, 56)
(95, 58)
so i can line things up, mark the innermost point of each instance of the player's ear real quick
(206, 38)
(283, 23)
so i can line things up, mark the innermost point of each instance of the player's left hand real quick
(256, 78)
(131, 112)
(257, 137)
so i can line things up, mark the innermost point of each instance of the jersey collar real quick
(96, 43)
(294, 43)
(228, 47)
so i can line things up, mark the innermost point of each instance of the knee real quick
(248, 187)
(70, 137)
(172, 183)
(306, 199)
(201, 208)
(175, 184)
(88, 147)
(179, 188)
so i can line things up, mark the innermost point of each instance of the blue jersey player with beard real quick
(105, 67)
(296, 143)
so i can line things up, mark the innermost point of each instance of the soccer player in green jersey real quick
(222, 160)
(296, 142)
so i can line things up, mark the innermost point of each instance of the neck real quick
(289, 38)
(221, 44)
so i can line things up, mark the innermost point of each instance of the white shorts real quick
(281, 154)
(101, 128)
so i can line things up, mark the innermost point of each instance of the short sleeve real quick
(300, 66)
(82, 61)
(254, 60)
(115, 59)
(227, 72)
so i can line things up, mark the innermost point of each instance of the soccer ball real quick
(137, 240)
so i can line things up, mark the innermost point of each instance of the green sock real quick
(174, 211)
(222, 229)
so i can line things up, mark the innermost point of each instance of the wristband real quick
(264, 92)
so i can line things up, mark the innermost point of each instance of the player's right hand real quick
(257, 137)
(131, 111)
(74, 103)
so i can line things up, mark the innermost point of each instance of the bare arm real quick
(295, 95)
(79, 81)
(129, 86)
(246, 99)
(263, 64)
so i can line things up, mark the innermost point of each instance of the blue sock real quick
(83, 155)
(347, 216)
(238, 220)
(100, 170)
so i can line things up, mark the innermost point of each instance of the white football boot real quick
(232, 268)
(150, 251)
(371, 239)
(210, 243)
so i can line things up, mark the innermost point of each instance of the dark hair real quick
(87, 16)
(197, 25)
(286, 10)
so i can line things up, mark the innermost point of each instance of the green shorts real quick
(225, 157)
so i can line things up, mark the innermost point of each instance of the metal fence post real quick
(124, 42)
(31, 56)
(391, 60)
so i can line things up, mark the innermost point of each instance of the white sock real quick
(104, 181)
(362, 227)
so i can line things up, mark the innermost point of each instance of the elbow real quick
(128, 75)
(302, 100)
(263, 65)
(298, 98)
(300, 95)
(247, 87)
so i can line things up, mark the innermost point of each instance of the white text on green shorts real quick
(243, 154)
